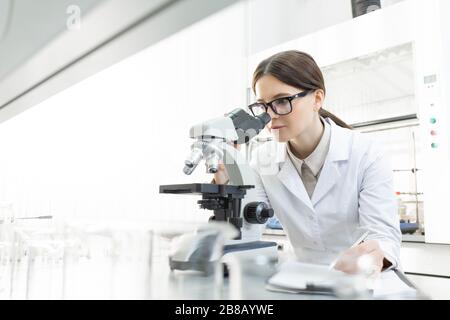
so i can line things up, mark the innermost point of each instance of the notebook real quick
(389, 285)
(299, 277)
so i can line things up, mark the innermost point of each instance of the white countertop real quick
(174, 285)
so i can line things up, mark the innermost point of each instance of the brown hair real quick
(297, 69)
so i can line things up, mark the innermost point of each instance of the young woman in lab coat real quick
(326, 183)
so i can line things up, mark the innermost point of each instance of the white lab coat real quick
(354, 193)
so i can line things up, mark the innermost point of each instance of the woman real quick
(328, 185)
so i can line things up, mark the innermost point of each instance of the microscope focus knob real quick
(257, 212)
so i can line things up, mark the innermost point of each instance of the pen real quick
(360, 240)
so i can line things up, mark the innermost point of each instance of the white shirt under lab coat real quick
(354, 193)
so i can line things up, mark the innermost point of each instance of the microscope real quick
(232, 202)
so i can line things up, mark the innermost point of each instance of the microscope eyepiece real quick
(264, 118)
(246, 125)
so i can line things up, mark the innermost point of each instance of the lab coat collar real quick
(289, 176)
(316, 159)
(340, 144)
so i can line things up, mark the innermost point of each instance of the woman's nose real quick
(271, 113)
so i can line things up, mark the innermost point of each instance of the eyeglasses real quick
(280, 106)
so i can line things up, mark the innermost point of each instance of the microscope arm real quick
(237, 167)
(241, 173)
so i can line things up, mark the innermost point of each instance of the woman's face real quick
(304, 109)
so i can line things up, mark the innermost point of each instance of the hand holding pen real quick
(347, 261)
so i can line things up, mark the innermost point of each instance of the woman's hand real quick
(350, 260)
(221, 176)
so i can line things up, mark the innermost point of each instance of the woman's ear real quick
(319, 96)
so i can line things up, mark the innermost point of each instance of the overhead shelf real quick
(110, 32)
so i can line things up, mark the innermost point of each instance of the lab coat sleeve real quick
(259, 193)
(378, 206)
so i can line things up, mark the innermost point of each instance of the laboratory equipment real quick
(213, 142)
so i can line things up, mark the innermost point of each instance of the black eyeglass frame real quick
(269, 104)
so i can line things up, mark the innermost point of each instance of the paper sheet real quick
(298, 276)
(388, 284)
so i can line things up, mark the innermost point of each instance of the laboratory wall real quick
(100, 149)
(272, 22)
(18, 20)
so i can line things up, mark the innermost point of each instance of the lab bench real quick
(181, 285)
(100, 277)
(280, 236)
(424, 264)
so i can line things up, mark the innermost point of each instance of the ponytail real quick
(326, 114)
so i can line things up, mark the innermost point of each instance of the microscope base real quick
(257, 247)
(246, 250)
(249, 251)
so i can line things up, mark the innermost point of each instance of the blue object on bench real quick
(274, 223)
(407, 227)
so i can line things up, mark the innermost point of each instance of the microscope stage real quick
(203, 188)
